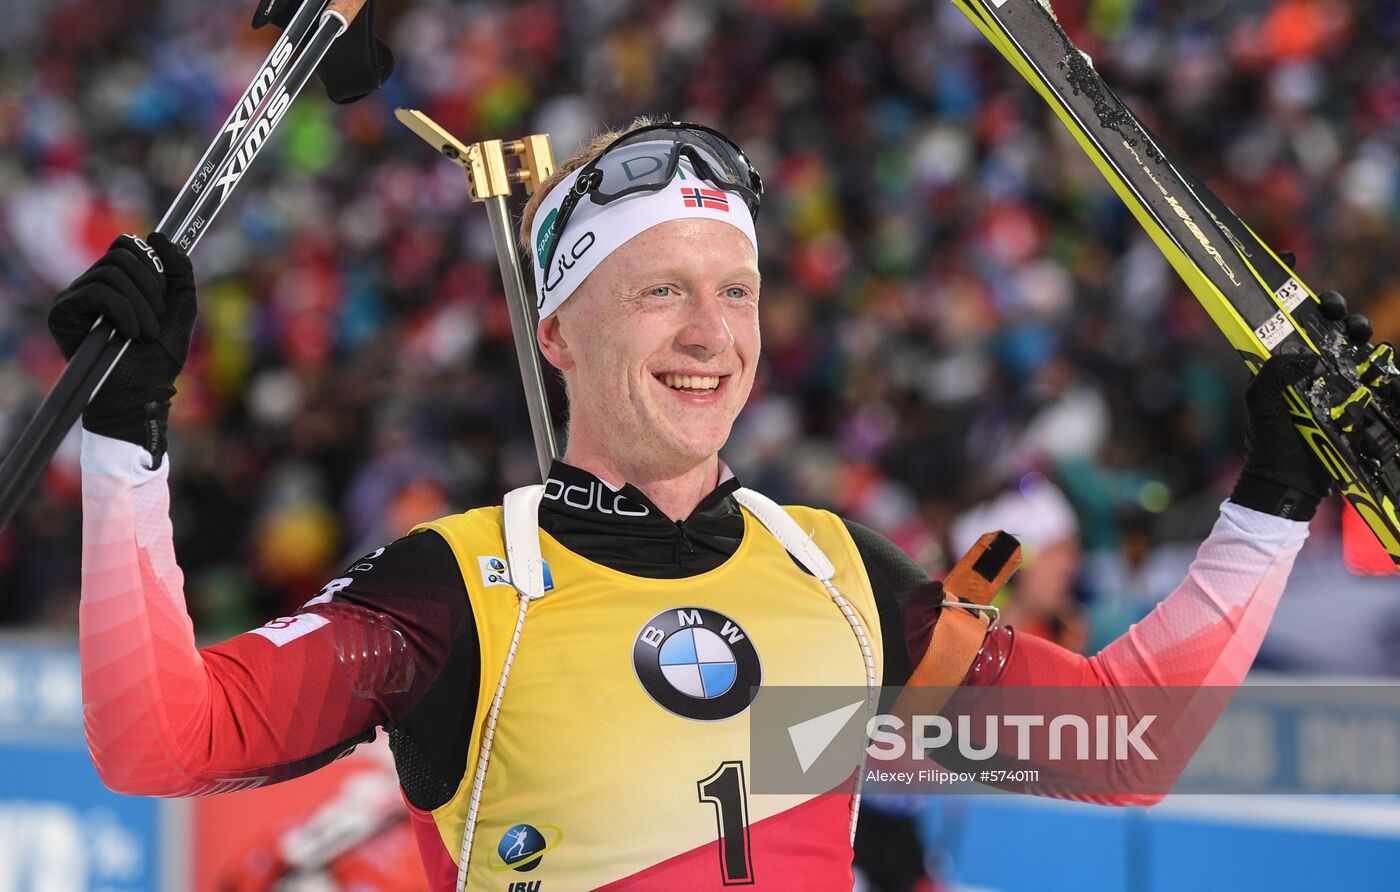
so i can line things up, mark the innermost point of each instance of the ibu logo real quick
(522, 848)
(697, 663)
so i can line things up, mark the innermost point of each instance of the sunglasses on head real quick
(613, 175)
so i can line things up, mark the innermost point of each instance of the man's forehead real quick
(691, 243)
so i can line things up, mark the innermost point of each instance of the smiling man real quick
(656, 374)
(566, 678)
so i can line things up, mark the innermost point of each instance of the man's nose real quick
(705, 326)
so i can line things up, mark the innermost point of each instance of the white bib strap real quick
(805, 550)
(521, 525)
(780, 523)
(522, 533)
(522, 530)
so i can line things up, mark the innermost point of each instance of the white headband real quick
(594, 231)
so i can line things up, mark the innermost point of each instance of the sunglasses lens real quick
(649, 159)
(635, 166)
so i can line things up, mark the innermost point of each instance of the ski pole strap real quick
(967, 616)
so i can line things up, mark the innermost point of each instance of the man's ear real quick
(552, 343)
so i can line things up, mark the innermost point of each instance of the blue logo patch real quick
(523, 847)
(494, 571)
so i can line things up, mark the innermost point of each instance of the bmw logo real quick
(697, 663)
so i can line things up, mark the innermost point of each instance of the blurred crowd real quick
(963, 326)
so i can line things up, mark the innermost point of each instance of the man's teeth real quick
(690, 382)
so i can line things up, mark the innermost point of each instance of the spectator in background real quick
(1041, 599)
(966, 279)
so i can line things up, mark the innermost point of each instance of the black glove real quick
(357, 64)
(145, 289)
(1281, 474)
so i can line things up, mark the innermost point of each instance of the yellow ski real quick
(1350, 411)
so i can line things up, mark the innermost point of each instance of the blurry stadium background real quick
(963, 329)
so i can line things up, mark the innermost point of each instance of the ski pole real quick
(99, 352)
(259, 89)
(245, 132)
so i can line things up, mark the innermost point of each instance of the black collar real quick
(623, 530)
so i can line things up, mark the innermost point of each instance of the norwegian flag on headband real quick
(695, 197)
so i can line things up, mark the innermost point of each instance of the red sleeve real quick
(1205, 634)
(1007, 658)
(164, 718)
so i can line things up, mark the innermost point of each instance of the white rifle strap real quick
(801, 546)
(522, 532)
(787, 532)
(522, 529)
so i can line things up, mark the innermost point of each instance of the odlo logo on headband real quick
(565, 261)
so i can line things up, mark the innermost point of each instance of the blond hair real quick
(592, 149)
